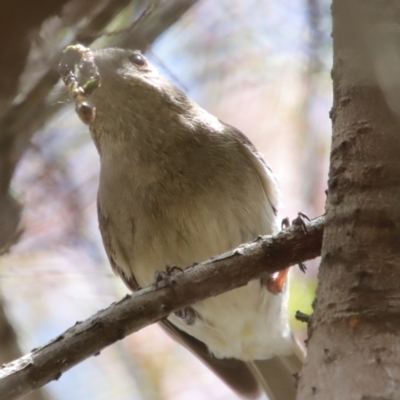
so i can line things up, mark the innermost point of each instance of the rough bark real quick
(354, 342)
(267, 254)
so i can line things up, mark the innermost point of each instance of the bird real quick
(178, 186)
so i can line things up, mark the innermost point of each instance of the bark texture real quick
(354, 341)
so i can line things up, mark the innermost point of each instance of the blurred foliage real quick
(302, 293)
(262, 66)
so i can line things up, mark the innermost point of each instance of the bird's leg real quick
(285, 223)
(171, 269)
(276, 283)
(299, 220)
(188, 314)
(163, 278)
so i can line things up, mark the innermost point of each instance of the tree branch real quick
(267, 254)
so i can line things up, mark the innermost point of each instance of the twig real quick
(302, 317)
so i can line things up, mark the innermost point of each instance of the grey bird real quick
(178, 186)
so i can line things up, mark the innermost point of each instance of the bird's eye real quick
(138, 60)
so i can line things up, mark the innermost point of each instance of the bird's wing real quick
(108, 244)
(265, 174)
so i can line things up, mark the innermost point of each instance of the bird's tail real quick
(278, 375)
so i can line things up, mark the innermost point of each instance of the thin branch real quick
(220, 274)
(302, 317)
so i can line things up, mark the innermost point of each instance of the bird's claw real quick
(285, 223)
(302, 267)
(188, 315)
(163, 278)
(171, 269)
(300, 220)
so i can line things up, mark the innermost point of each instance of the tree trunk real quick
(354, 333)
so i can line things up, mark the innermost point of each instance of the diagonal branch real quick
(220, 274)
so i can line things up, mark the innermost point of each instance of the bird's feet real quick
(300, 220)
(165, 278)
(188, 315)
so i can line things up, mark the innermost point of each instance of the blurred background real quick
(260, 65)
